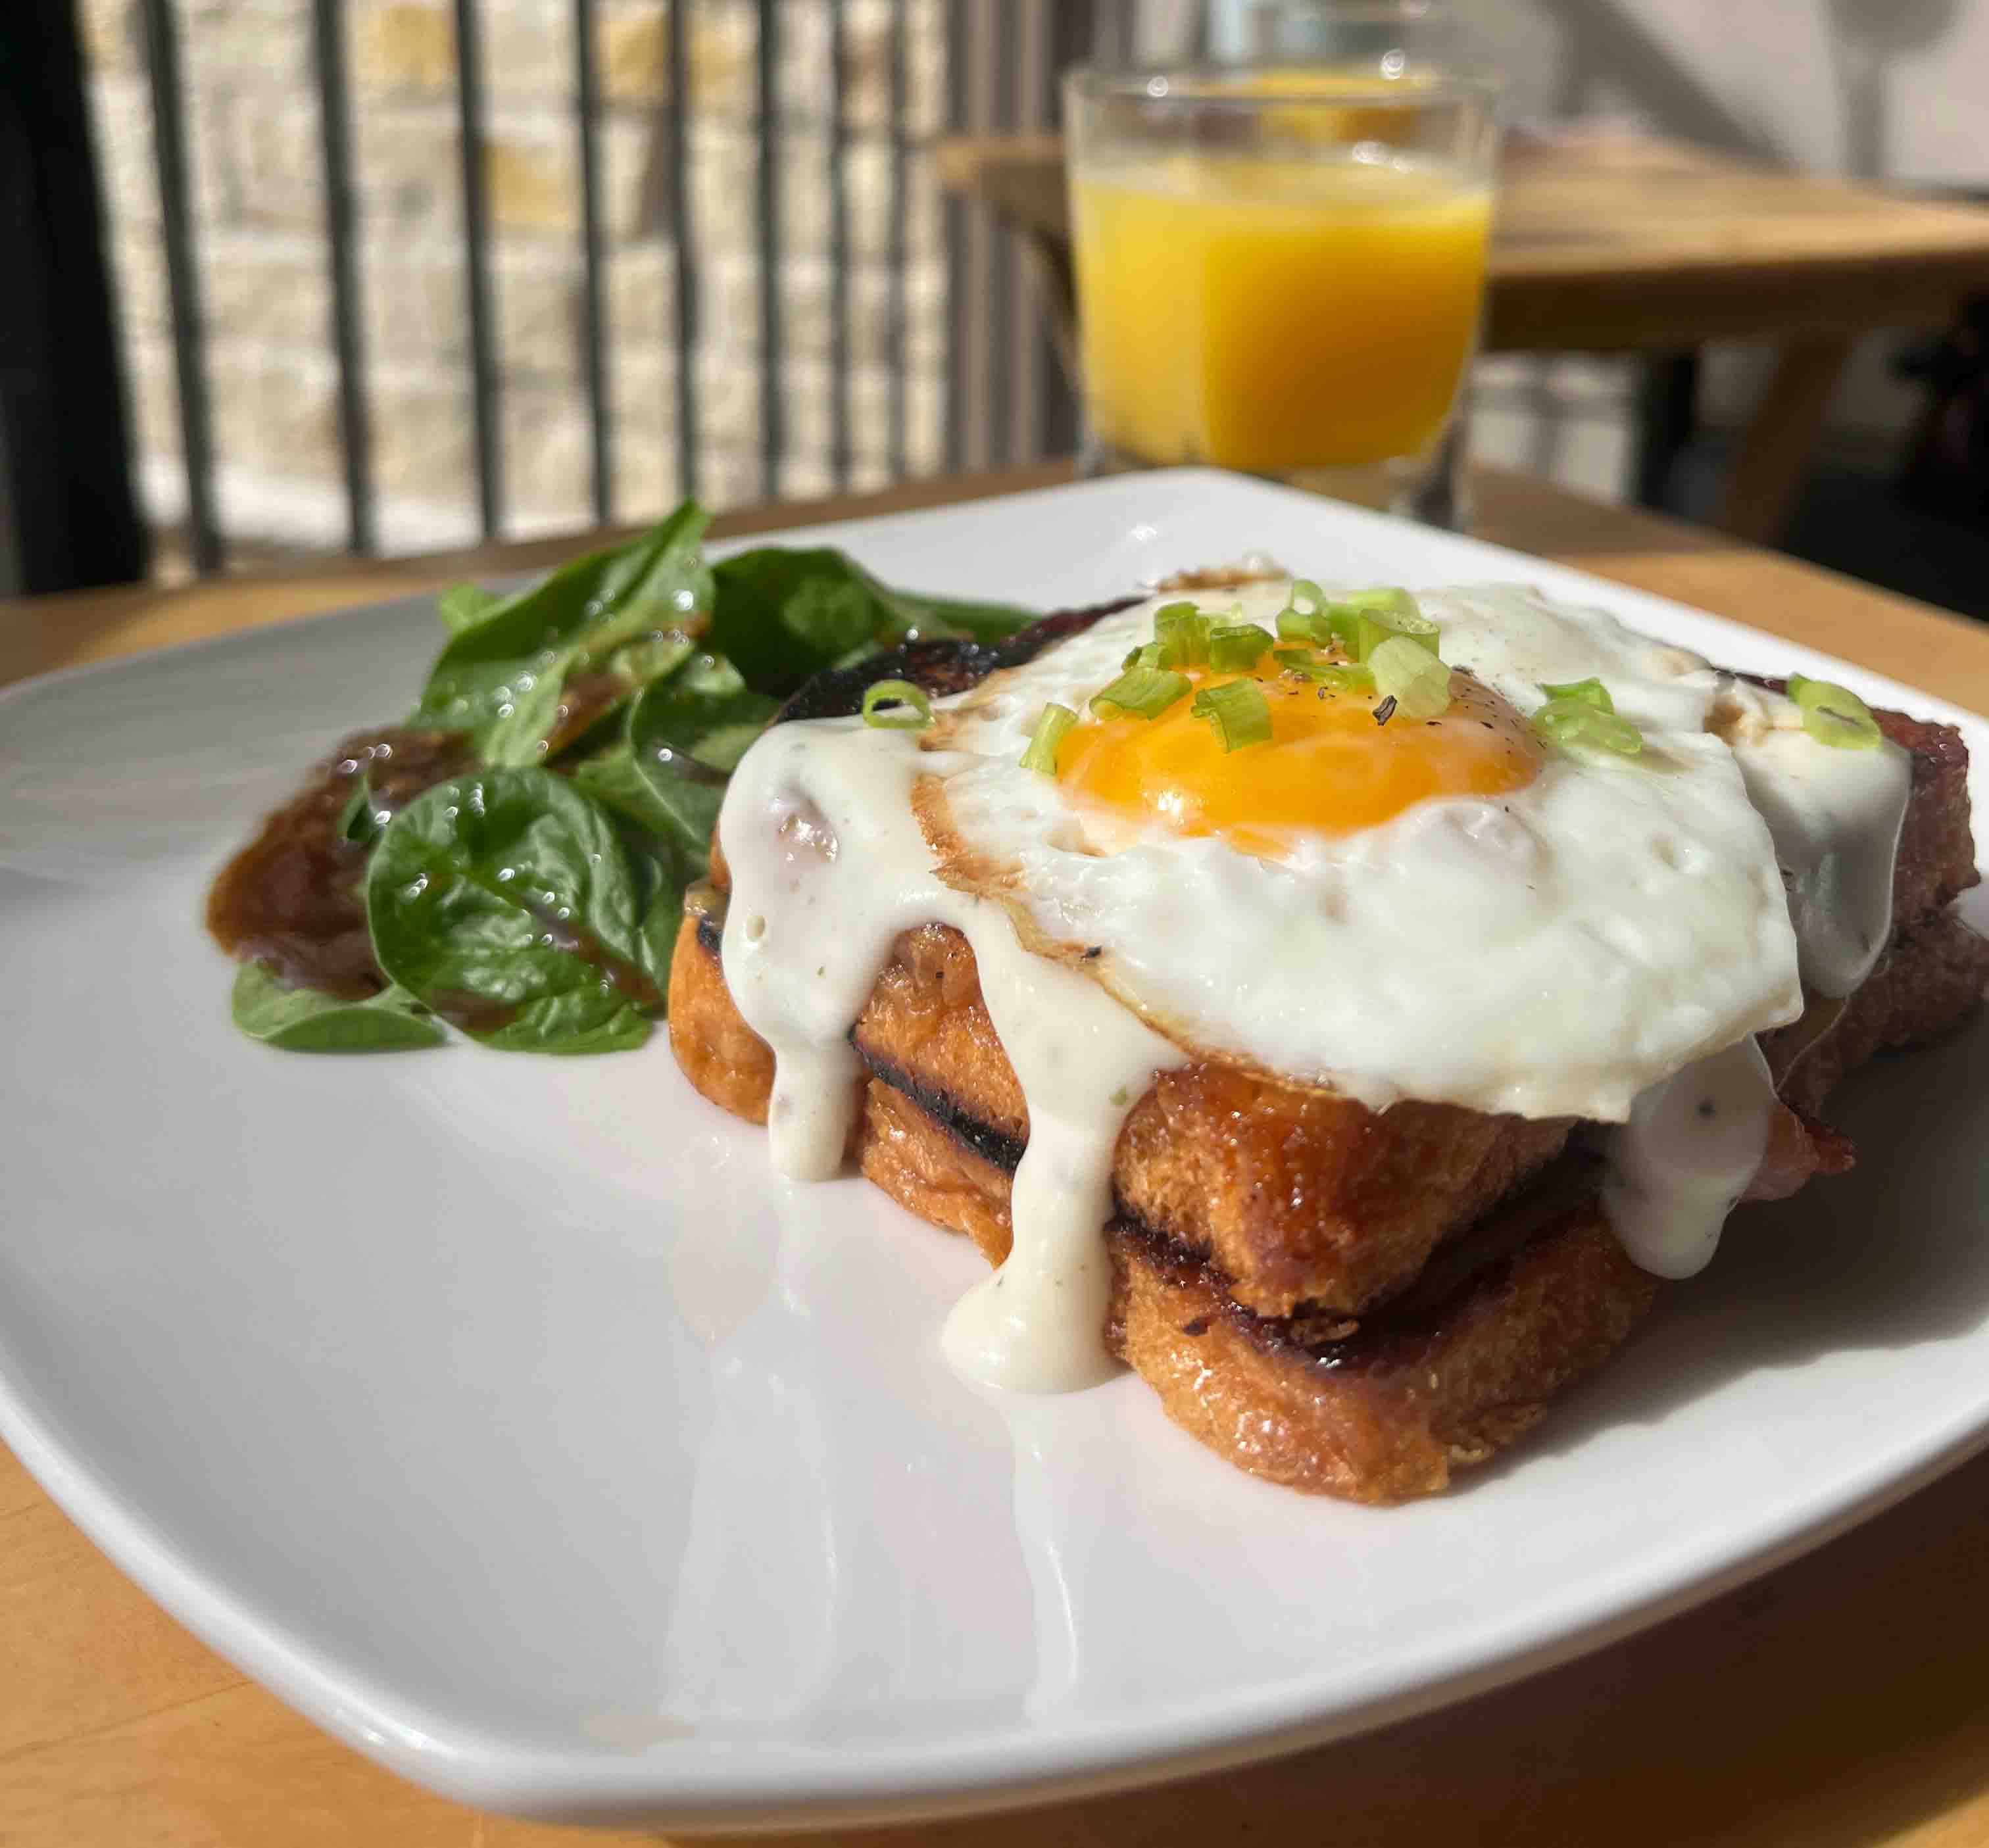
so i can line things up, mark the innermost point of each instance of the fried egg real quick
(1443, 908)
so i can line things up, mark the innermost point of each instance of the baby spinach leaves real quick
(506, 903)
(302, 1019)
(531, 674)
(535, 903)
(463, 606)
(783, 615)
(686, 733)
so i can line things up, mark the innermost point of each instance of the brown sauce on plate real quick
(290, 899)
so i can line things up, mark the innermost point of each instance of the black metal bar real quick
(685, 255)
(341, 235)
(998, 111)
(1114, 32)
(182, 276)
(587, 103)
(956, 246)
(895, 281)
(1071, 36)
(1667, 405)
(475, 237)
(68, 516)
(772, 434)
(838, 251)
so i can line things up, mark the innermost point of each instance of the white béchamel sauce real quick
(1835, 815)
(1681, 1163)
(828, 866)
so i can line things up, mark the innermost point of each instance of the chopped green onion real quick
(1590, 691)
(1363, 620)
(911, 710)
(1408, 673)
(1142, 692)
(1384, 596)
(1238, 647)
(1181, 631)
(1833, 715)
(1303, 617)
(1148, 655)
(1238, 710)
(1575, 722)
(1342, 677)
(1056, 720)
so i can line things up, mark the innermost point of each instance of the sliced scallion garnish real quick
(1590, 691)
(1303, 617)
(1054, 722)
(1409, 674)
(910, 710)
(1238, 710)
(1576, 722)
(1237, 648)
(1142, 692)
(1833, 715)
(1181, 630)
(1362, 620)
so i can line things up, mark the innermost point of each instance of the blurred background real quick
(706, 249)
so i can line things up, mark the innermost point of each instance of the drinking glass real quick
(1280, 269)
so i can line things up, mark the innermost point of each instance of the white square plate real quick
(511, 1419)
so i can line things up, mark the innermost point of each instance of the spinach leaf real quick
(302, 1019)
(540, 669)
(358, 822)
(611, 778)
(665, 862)
(781, 615)
(665, 779)
(463, 606)
(686, 733)
(507, 902)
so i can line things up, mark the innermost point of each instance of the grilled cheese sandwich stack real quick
(1343, 1008)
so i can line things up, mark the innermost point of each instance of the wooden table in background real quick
(1840, 1702)
(1627, 245)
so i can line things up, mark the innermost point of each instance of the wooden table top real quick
(1630, 244)
(1839, 1702)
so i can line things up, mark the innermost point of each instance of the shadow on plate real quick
(1892, 1255)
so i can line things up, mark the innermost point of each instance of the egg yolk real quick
(1328, 768)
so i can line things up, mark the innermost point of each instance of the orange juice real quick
(1274, 314)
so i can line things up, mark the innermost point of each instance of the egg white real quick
(1550, 952)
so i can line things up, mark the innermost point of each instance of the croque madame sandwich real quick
(1343, 1008)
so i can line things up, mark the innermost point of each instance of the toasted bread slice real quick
(1504, 1316)
(1299, 1197)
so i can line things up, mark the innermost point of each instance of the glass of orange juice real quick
(1280, 270)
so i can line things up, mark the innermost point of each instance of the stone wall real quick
(257, 187)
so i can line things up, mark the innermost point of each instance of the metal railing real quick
(1005, 401)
